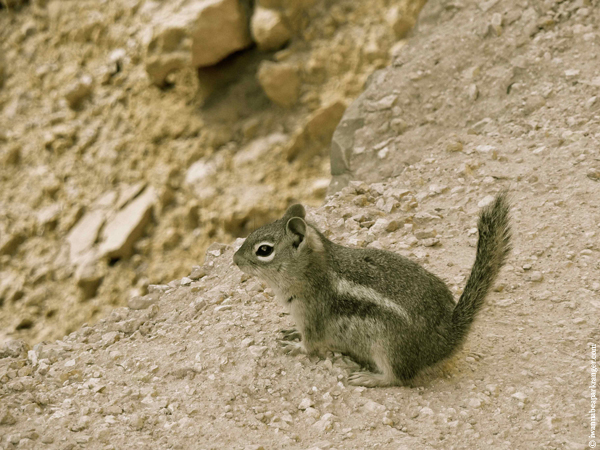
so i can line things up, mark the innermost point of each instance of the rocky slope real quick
(123, 155)
(196, 363)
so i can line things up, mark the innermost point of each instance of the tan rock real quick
(280, 81)
(319, 187)
(170, 35)
(322, 123)
(78, 91)
(10, 242)
(144, 302)
(159, 66)
(318, 131)
(403, 16)
(12, 4)
(12, 155)
(106, 200)
(268, 29)
(199, 34)
(400, 22)
(220, 29)
(253, 208)
(129, 192)
(127, 226)
(2, 70)
(83, 235)
(200, 171)
(48, 216)
(257, 149)
(89, 276)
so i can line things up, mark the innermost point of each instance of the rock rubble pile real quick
(132, 135)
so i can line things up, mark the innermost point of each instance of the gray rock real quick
(593, 174)
(158, 288)
(15, 348)
(426, 233)
(536, 276)
(257, 350)
(306, 403)
(197, 273)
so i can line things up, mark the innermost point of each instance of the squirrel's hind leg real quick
(372, 379)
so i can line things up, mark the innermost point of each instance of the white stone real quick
(373, 407)
(257, 350)
(127, 226)
(200, 171)
(83, 235)
(522, 397)
(306, 403)
(487, 200)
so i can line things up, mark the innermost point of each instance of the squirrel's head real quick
(280, 250)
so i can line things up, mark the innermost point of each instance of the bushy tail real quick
(492, 249)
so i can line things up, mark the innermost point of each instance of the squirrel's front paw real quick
(292, 347)
(291, 334)
(369, 379)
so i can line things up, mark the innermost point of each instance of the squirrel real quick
(386, 312)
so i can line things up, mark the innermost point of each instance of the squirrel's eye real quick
(264, 250)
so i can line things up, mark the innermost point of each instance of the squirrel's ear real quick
(296, 227)
(296, 210)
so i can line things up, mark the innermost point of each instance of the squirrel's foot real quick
(291, 334)
(292, 347)
(369, 379)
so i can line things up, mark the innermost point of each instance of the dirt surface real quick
(196, 364)
(83, 131)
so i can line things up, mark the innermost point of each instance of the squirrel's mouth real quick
(243, 264)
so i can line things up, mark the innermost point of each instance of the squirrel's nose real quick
(237, 259)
